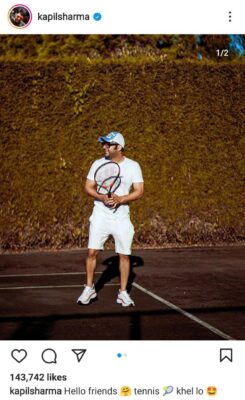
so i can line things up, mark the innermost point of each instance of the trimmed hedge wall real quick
(183, 122)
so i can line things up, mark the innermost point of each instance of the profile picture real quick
(20, 16)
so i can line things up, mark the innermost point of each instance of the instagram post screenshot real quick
(122, 200)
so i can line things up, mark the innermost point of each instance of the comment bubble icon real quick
(49, 356)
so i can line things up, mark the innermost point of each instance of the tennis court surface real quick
(180, 294)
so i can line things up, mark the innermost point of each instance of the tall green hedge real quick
(183, 122)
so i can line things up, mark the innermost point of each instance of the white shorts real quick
(103, 225)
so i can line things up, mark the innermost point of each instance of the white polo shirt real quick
(130, 172)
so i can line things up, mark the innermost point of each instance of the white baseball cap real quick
(113, 137)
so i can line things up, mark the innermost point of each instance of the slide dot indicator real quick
(119, 355)
(97, 16)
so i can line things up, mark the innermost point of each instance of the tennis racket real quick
(107, 178)
(167, 389)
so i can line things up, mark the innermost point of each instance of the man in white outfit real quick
(111, 216)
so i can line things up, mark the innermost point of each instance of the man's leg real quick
(123, 297)
(89, 292)
(123, 235)
(91, 266)
(124, 267)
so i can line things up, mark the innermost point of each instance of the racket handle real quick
(109, 195)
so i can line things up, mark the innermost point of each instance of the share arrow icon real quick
(79, 353)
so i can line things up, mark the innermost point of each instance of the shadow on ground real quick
(112, 271)
(41, 328)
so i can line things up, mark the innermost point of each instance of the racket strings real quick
(107, 178)
(109, 185)
(106, 173)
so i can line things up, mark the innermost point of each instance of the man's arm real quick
(90, 189)
(137, 193)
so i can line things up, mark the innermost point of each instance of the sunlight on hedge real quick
(183, 122)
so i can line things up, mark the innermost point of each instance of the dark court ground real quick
(180, 294)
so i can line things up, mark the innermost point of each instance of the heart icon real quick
(19, 355)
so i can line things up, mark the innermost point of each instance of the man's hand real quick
(116, 200)
(113, 201)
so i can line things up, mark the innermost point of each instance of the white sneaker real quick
(87, 295)
(124, 299)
